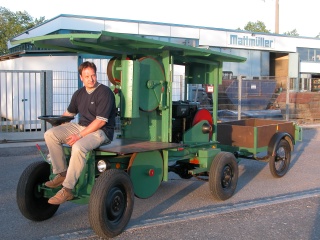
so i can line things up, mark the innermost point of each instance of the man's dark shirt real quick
(99, 104)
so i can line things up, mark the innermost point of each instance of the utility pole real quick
(277, 17)
(276, 29)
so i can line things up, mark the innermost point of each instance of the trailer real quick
(158, 135)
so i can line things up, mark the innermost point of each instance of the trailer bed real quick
(252, 133)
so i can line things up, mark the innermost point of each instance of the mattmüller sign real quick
(252, 42)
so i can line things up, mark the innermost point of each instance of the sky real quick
(228, 14)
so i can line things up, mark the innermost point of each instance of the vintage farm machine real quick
(157, 135)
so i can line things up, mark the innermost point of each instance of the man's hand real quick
(72, 139)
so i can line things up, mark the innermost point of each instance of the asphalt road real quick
(262, 207)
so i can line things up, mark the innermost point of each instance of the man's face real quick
(89, 78)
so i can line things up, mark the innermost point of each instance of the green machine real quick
(157, 135)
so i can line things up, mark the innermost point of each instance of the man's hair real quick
(87, 64)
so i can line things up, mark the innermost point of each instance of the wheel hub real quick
(226, 177)
(115, 204)
(280, 159)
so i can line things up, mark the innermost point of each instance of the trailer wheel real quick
(223, 176)
(111, 203)
(31, 202)
(279, 164)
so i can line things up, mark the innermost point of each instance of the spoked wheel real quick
(111, 203)
(279, 164)
(31, 202)
(223, 176)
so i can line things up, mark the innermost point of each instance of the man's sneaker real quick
(62, 196)
(56, 182)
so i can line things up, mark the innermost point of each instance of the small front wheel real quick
(111, 203)
(279, 164)
(223, 176)
(31, 202)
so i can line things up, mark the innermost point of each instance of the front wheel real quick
(111, 203)
(223, 176)
(31, 202)
(279, 164)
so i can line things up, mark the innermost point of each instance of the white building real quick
(280, 57)
(274, 55)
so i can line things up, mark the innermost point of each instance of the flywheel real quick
(152, 80)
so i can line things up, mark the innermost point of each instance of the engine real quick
(183, 113)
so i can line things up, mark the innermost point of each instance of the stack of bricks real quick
(302, 105)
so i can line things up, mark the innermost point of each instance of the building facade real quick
(268, 55)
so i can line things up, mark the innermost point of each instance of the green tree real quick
(292, 33)
(11, 24)
(256, 27)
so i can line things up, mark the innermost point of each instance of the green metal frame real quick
(203, 66)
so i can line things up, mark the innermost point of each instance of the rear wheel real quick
(31, 202)
(111, 203)
(223, 176)
(279, 164)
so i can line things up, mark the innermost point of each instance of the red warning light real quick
(151, 172)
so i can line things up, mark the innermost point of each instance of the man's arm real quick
(66, 113)
(92, 127)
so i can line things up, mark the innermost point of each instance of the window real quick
(309, 54)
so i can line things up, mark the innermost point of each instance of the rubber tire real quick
(223, 176)
(282, 158)
(106, 218)
(32, 204)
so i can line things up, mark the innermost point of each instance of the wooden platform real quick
(129, 146)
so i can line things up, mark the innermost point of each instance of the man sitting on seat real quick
(95, 103)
